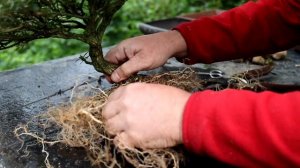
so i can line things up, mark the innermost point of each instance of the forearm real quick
(244, 128)
(255, 28)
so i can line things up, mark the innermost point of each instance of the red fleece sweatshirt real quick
(244, 128)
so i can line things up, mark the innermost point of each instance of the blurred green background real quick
(124, 25)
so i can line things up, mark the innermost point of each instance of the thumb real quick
(128, 68)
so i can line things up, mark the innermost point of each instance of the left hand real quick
(146, 115)
(145, 52)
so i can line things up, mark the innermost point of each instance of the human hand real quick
(146, 115)
(145, 53)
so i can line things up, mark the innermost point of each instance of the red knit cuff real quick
(190, 57)
(192, 124)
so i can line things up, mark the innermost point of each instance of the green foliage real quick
(39, 51)
(83, 20)
(124, 25)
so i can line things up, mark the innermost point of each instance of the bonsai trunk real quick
(98, 61)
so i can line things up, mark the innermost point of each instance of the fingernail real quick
(115, 77)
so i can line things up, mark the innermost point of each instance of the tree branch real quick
(22, 21)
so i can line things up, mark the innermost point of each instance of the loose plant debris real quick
(79, 124)
(268, 59)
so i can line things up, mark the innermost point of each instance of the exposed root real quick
(245, 82)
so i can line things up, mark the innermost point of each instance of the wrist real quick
(177, 44)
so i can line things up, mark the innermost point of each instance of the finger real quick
(116, 55)
(116, 94)
(133, 65)
(157, 143)
(122, 140)
(109, 110)
(110, 56)
(115, 125)
(129, 52)
(112, 106)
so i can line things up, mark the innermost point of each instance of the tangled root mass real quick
(80, 124)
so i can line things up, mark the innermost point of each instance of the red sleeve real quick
(244, 128)
(253, 29)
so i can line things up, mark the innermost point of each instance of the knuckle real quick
(129, 52)
(109, 56)
(117, 94)
(112, 55)
(123, 141)
(106, 111)
(111, 131)
(123, 44)
(108, 125)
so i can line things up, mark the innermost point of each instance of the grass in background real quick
(123, 26)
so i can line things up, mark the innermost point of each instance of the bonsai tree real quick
(22, 21)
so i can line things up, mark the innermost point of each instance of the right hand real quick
(146, 116)
(145, 53)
